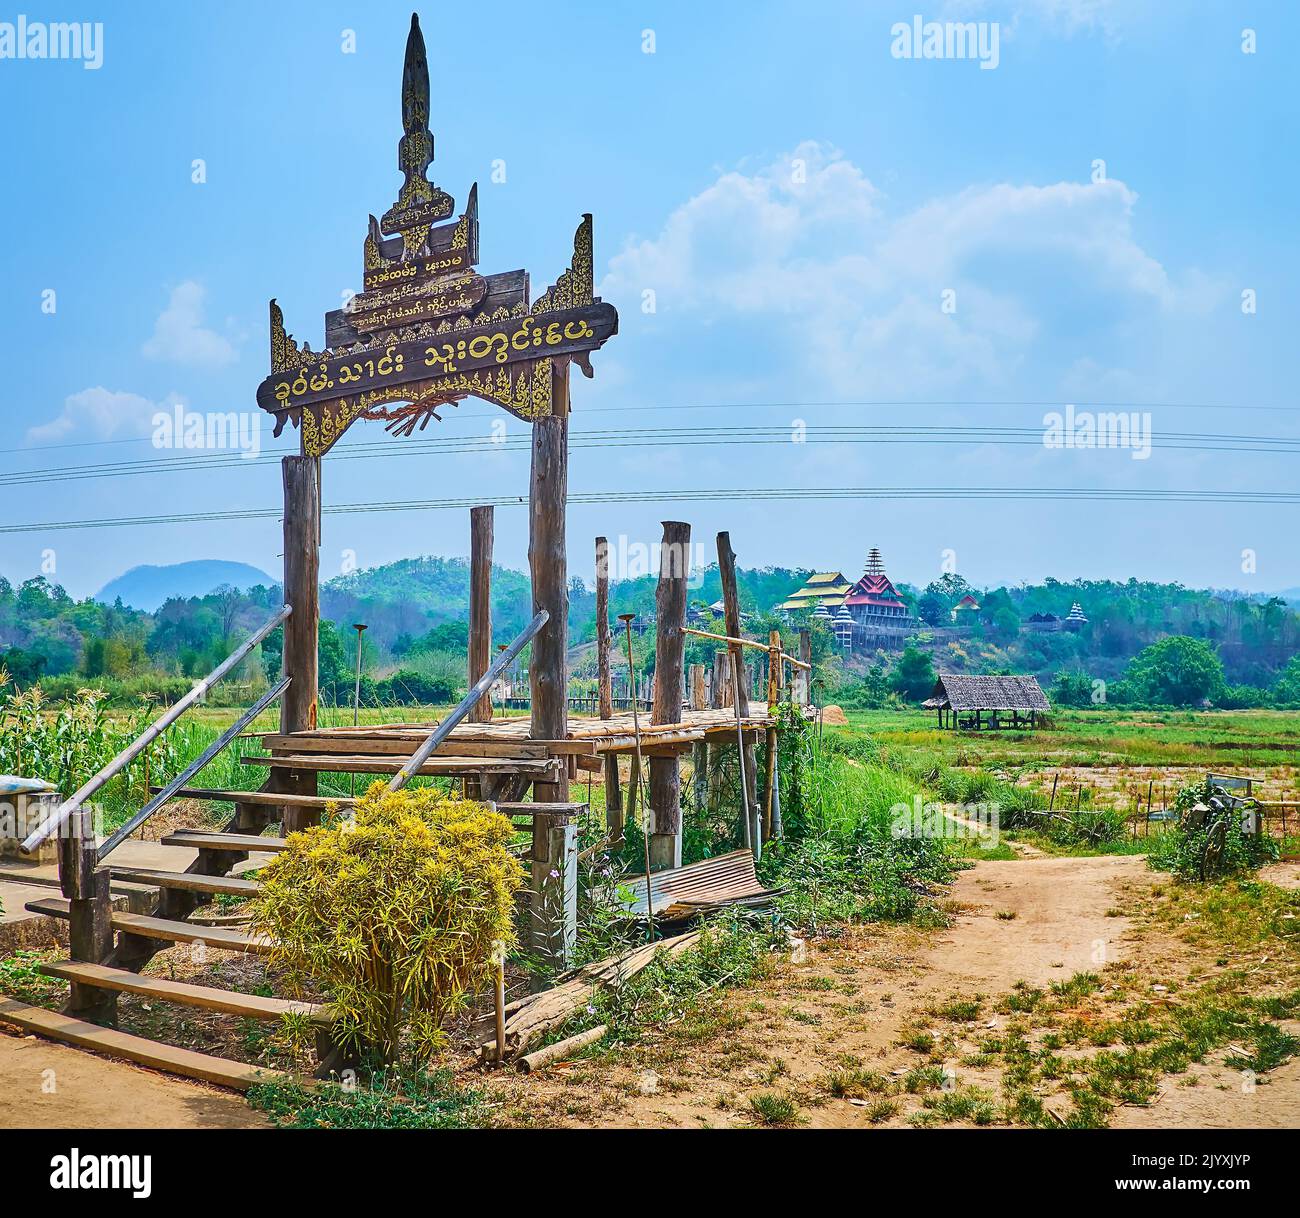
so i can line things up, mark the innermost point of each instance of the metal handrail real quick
(165, 793)
(65, 810)
(481, 686)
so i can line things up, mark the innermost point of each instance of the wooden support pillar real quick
(554, 888)
(699, 750)
(298, 706)
(547, 671)
(740, 690)
(720, 699)
(774, 666)
(90, 914)
(804, 676)
(480, 606)
(665, 818)
(605, 693)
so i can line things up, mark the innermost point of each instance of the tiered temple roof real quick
(827, 588)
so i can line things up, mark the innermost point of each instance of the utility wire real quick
(712, 495)
(649, 438)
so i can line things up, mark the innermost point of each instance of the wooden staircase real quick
(110, 948)
(131, 940)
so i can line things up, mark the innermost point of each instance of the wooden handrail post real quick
(90, 916)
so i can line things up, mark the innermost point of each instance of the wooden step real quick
(241, 843)
(262, 799)
(187, 881)
(164, 928)
(112, 1043)
(344, 764)
(251, 1006)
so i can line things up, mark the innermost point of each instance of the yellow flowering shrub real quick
(393, 912)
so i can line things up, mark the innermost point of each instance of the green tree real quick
(1072, 689)
(1177, 671)
(913, 675)
(1286, 690)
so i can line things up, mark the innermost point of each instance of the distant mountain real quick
(147, 587)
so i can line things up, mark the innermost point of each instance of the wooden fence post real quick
(665, 817)
(90, 905)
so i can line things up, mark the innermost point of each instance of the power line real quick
(712, 495)
(866, 403)
(650, 438)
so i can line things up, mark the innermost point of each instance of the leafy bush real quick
(394, 912)
(1208, 842)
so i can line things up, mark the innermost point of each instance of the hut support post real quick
(298, 706)
(740, 691)
(665, 819)
(605, 693)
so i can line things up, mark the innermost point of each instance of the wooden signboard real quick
(428, 329)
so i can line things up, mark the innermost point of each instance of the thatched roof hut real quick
(963, 701)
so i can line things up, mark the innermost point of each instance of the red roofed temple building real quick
(879, 614)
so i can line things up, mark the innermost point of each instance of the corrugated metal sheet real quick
(728, 879)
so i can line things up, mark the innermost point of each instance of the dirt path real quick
(50, 1086)
(1034, 920)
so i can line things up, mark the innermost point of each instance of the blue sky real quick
(798, 201)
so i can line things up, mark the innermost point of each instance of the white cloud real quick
(98, 414)
(819, 273)
(179, 335)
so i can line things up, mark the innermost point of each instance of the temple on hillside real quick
(825, 589)
(879, 613)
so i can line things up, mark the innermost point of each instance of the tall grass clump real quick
(841, 859)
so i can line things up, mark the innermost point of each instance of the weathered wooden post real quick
(774, 667)
(548, 564)
(554, 851)
(803, 676)
(90, 914)
(720, 699)
(480, 606)
(298, 706)
(670, 644)
(740, 690)
(699, 750)
(605, 693)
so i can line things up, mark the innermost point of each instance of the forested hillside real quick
(415, 611)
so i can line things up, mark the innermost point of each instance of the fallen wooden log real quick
(561, 1048)
(529, 1018)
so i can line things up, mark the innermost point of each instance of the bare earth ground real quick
(1036, 919)
(857, 995)
(90, 1092)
